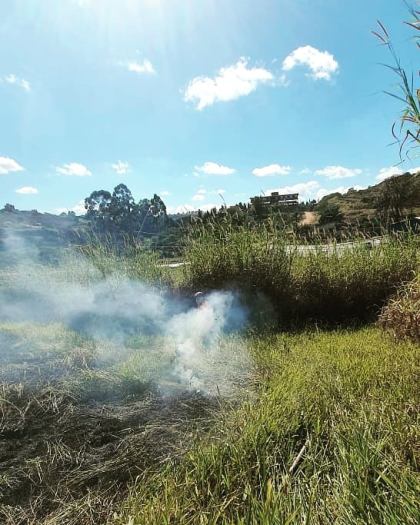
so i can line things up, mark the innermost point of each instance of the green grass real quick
(135, 262)
(331, 438)
(303, 283)
(323, 427)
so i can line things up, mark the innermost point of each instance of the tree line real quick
(118, 213)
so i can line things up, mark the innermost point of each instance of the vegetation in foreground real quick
(329, 435)
(326, 432)
(332, 438)
(401, 315)
(80, 419)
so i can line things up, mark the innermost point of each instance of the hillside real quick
(41, 233)
(36, 234)
(359, 204)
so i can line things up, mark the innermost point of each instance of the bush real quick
(338, 283)
(351, 283)
(401, 316)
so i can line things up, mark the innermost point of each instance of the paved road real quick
(308, 248)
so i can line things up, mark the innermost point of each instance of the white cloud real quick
(322, 192)
(338, 172)
(305, 171)
(74, 169)
(311, 189)
(78, 209)
(230, 83)
(213, 168)
(27, 190)
(322, 64)
(165, 193)
(385, 173)
(14, 80)
(184, 208)
(307, 190)
(210, 206)
(272, 169)
(200, 195)
(8, 165)
(142, 68)
(121, 168)
(188, 208)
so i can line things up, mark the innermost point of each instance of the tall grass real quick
(331, 439)
(401, 315)
(407, 94)
(134, 262)
(330, 283)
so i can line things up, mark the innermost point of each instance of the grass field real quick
(332, 438)
(325, 430)
(312, 426)
(331, 285)
(81, 419)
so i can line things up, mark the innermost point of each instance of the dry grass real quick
(76, 430)
(401, 316)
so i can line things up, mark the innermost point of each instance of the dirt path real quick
(309, 217)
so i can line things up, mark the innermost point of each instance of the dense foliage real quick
(117, 212)
(338, 283)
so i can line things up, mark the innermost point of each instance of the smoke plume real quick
(200, 351)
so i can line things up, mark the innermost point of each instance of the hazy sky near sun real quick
(194, 99)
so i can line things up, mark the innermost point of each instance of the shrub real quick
(349, 283)
(401, 316)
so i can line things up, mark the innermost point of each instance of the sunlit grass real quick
(331, 439)
(312, 427)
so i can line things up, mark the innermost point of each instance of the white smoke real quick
(196, 340)
(196, 335)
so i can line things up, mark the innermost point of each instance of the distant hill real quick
(360, 204)
(36, 235)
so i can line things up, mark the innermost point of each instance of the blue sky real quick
(196, 100)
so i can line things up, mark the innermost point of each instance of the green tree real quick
(118, 213)
(392, 198)
(330, 213)
(123, 209)
(98, 209)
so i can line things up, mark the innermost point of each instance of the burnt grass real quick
(67, 453)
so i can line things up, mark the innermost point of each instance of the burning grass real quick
(102, 421)
(55, 449)
(80, 421)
